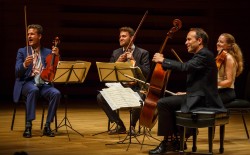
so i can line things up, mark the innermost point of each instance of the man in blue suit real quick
(29, 63)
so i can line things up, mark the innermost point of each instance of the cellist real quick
(30, 60)
(201, 92)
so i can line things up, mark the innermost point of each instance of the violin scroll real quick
(56, 41)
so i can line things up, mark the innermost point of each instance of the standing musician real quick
(141, 59)
(230, 65)
(201, 92)
(30, 61)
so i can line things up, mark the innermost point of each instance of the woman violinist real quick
(230, 65)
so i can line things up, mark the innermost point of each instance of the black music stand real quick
(118, 72)
(70, 72)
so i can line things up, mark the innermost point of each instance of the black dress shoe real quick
(118, 130)
(160, 149)
(27, 132)
(48, 132)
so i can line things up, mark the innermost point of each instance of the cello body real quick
(149, 114)
(158, 83)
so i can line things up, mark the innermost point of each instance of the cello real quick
(158, 83)
(52, 59)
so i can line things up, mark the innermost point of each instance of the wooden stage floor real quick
(88, 119)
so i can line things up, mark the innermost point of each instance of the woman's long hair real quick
(235, 51)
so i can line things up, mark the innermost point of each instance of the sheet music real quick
(118, 97)
(114, 84)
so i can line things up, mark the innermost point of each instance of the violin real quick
(157, 87)
(52, 59)
(220, 58)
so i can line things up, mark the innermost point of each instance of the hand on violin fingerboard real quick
(129, 56)
(55, 50)
(122, 58)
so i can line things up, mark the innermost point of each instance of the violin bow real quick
(142, 20)
(26, 30)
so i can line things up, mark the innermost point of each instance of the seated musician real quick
(140, 57)
(29, 63)
(230, 65)
(201, 92)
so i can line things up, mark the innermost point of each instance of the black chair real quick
(202, 119)
(22, 101)
(241, 106)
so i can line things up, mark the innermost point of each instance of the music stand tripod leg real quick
(129, 136)
(65, 120)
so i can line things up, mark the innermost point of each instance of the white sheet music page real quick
(114, 84)
(118, 97)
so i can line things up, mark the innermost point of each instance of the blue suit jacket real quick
(21, 73)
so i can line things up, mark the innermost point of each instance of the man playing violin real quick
(140, 58)
(201, 92)
(30, 61)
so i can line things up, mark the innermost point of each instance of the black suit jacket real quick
(140, 55)
(202, 92)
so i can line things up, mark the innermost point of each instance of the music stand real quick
(144, 85)
(113, 72)
(116, 72)
(70, 72)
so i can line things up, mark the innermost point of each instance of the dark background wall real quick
(88, 30)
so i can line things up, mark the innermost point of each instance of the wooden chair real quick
(241, 106)
(22, 101)
(201, 119)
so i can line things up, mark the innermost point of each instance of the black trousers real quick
(166, 114)
(113, 116)
(227, 94)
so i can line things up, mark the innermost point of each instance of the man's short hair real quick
(36, 26)
(128, 29)
(200, 33)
